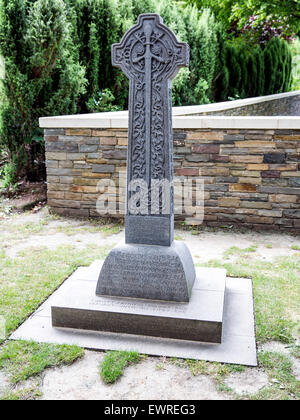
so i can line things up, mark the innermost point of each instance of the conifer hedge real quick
(41, 77)
(249, 72)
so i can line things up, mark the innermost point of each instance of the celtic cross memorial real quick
(147, 286)
(150, 56)
(150, 264)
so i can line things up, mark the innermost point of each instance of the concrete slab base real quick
(200, 319)
(238, 344)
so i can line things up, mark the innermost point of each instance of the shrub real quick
(8, 173)
(295, 64)
(251, 71)
(278, 66)
(260, 81)
(96, 24)
(102, 102)
(41, 76)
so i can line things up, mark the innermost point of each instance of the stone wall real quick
(251, 176)
(282, 106)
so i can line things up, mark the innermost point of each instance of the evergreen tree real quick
(260, 83)
(235, 71)
(221, 76)
(41, 77)
(252, 82)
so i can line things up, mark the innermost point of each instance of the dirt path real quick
(204, 246)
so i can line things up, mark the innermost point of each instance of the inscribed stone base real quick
(148, 272)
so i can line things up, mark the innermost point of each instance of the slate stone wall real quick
(251, 177)
(284, 106)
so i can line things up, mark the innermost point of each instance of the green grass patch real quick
(295, 247)
(278, 365)
(28, 393)
(114, 363)
(24, 230)
(295, 351)
(282, 383)
(276, 293)
(236, 251)
(215, 369)
(106, 230)
(26, 281)
(23, 359)
(14, 231)
(110, 230)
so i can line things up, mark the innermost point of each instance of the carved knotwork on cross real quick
(150, 265)
(150, 56)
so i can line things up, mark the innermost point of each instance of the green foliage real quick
(278, 66)
(41, 76)
(295, 48)
(8, 174)
(249, 72)
(102, 102)
(260, 71)
(114, 363)
(95, 26)
(99, 23)
(205, 54)
(285, 12)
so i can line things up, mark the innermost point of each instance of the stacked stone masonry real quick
(251, 176)
(287, 106)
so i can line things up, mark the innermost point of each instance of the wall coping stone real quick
(184, 117)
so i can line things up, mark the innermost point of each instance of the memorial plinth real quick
(199, 320)
(151, 265)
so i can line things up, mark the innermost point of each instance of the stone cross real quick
(150, 56)
(150, 265)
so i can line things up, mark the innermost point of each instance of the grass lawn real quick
(27, 279)
(276, 291)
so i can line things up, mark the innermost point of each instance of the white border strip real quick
(195, 122)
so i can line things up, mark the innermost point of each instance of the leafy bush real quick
(102, 102)
(278, 66)
(96, 24)
(8, 174)
(41, 76)
(202, 36)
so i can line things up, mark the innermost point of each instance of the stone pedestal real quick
(148, 272)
